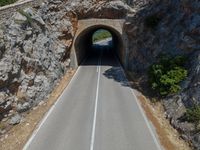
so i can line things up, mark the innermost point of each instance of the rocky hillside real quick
(33, 56)
(35, 51)
(35, 46)
(168, 27)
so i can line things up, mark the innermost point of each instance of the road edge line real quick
(141, 110)
(40, 124)
(147, 122)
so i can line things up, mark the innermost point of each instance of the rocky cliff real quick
(35, 50)
(34, 55)
(173, 28)
(35, 46)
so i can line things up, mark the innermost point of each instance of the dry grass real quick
(21, 96)
(2, 126)
(16, 138)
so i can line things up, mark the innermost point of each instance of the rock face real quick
(35, 47)
(168, 27)
(15, 119)
(101, 9)
(35, 44)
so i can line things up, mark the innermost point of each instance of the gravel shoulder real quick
(167, 135)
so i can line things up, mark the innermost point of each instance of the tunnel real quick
(83, 43)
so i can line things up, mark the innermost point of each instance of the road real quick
(97, 111)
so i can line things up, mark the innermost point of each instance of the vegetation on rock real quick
(166, 75)
(193, 114)
(6, 2)
(152, 21)
(28, 17)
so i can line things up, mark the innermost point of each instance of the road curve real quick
(97, 111)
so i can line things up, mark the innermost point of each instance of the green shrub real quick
(100, 35)
(28, 17)
(6, 2)
(166, 75)
(152, 21)
(193, 114)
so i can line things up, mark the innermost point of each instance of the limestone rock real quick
(23, 107)
(19, 17)
(15, 119)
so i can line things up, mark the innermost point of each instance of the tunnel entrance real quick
(85, 40)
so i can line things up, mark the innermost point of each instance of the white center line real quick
(96, 104)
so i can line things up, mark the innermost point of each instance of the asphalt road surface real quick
(97, 111)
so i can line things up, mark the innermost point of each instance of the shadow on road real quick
(108, 57)
(117, 75)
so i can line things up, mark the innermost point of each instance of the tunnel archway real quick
(84, 42)
(83, 39)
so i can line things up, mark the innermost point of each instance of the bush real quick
(193, 114)
(6, 2)
(166, 75)
(152, 21)
(28, 17)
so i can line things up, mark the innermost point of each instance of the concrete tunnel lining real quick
(83, 42)
(83, 38)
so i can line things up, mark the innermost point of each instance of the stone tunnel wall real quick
(114, 26)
